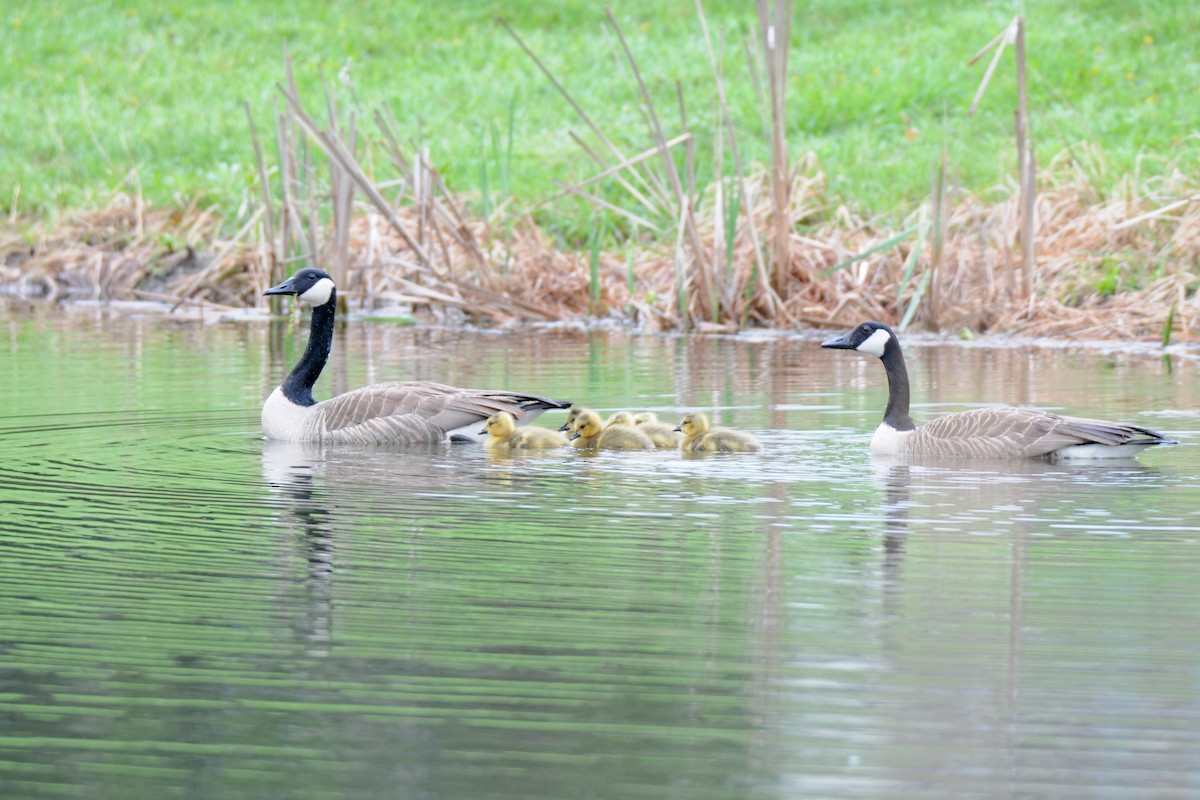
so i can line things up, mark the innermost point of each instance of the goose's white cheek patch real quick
(319, 294)
(874, 344)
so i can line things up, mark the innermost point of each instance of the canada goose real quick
(385, 413)
(699, 438)
(663, 435)
(1007, 432)
(505, 435)
(589, 433)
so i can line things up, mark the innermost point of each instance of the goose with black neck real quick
(383, 413)
(1002, 432)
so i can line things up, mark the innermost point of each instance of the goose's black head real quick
(313, 287)
(872, 338)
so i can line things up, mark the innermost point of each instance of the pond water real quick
(189, 611)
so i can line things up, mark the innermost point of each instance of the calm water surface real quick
(189, 611)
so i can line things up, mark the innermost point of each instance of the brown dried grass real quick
(508, 270)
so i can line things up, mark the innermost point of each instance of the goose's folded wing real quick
(1029, 432)
(995, 432)
(418, 411)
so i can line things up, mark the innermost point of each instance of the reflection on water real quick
(187, 610)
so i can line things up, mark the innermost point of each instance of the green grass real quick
(89, 91)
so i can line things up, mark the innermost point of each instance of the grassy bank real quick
(407, 151)
(90, 91)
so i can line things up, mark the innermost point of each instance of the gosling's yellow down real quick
(589, 433)
(572, 415)
(620, 418)
(503, 434)
(663, 435)
(699, 438)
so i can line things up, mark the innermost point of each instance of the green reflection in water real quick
(188, 611)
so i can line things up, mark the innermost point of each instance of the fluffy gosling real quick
(663, 435)
(572, 415)
(699, 438)
(503, 434)
(589, 433)
(620, 418)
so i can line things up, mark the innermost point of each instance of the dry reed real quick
(182, 257)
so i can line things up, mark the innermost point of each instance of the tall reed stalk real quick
(1014, 34)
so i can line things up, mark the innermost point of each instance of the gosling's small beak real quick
(678, 428)
(563, 428)
(482, 432)
(840, 343)
(574, 436)
(287, 287)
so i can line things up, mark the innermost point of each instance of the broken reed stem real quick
(708, 302)
(760, 267)
(657, 188)
(265, 187)
(775, 24)
(1026, 165)
(1014, 33)
(335, 150)
(938, 237)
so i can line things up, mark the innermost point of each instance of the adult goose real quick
(384, 413)
(1006, 432)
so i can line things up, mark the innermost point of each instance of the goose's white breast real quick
(283, 419)
(888, 441)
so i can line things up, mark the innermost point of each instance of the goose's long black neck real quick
(297, 387)
(896, 414)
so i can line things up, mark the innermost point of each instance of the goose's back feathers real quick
(1014, 432)
(403, 413)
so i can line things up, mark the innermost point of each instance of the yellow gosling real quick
(620, 418)
(503, 434)
(572, 415)
(663, 435)
(590, 433)
(699, 438)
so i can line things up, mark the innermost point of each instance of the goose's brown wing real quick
(1015, 432)
(418, 411)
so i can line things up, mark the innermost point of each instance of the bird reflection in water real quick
(291, 471)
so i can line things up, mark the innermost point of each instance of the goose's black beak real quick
(287, 287)
(840, 343)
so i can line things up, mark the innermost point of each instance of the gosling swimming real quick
(503, 434)
(698, 437)
(589, 433)
(620, 418)
(663, 435)
(572, 415)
